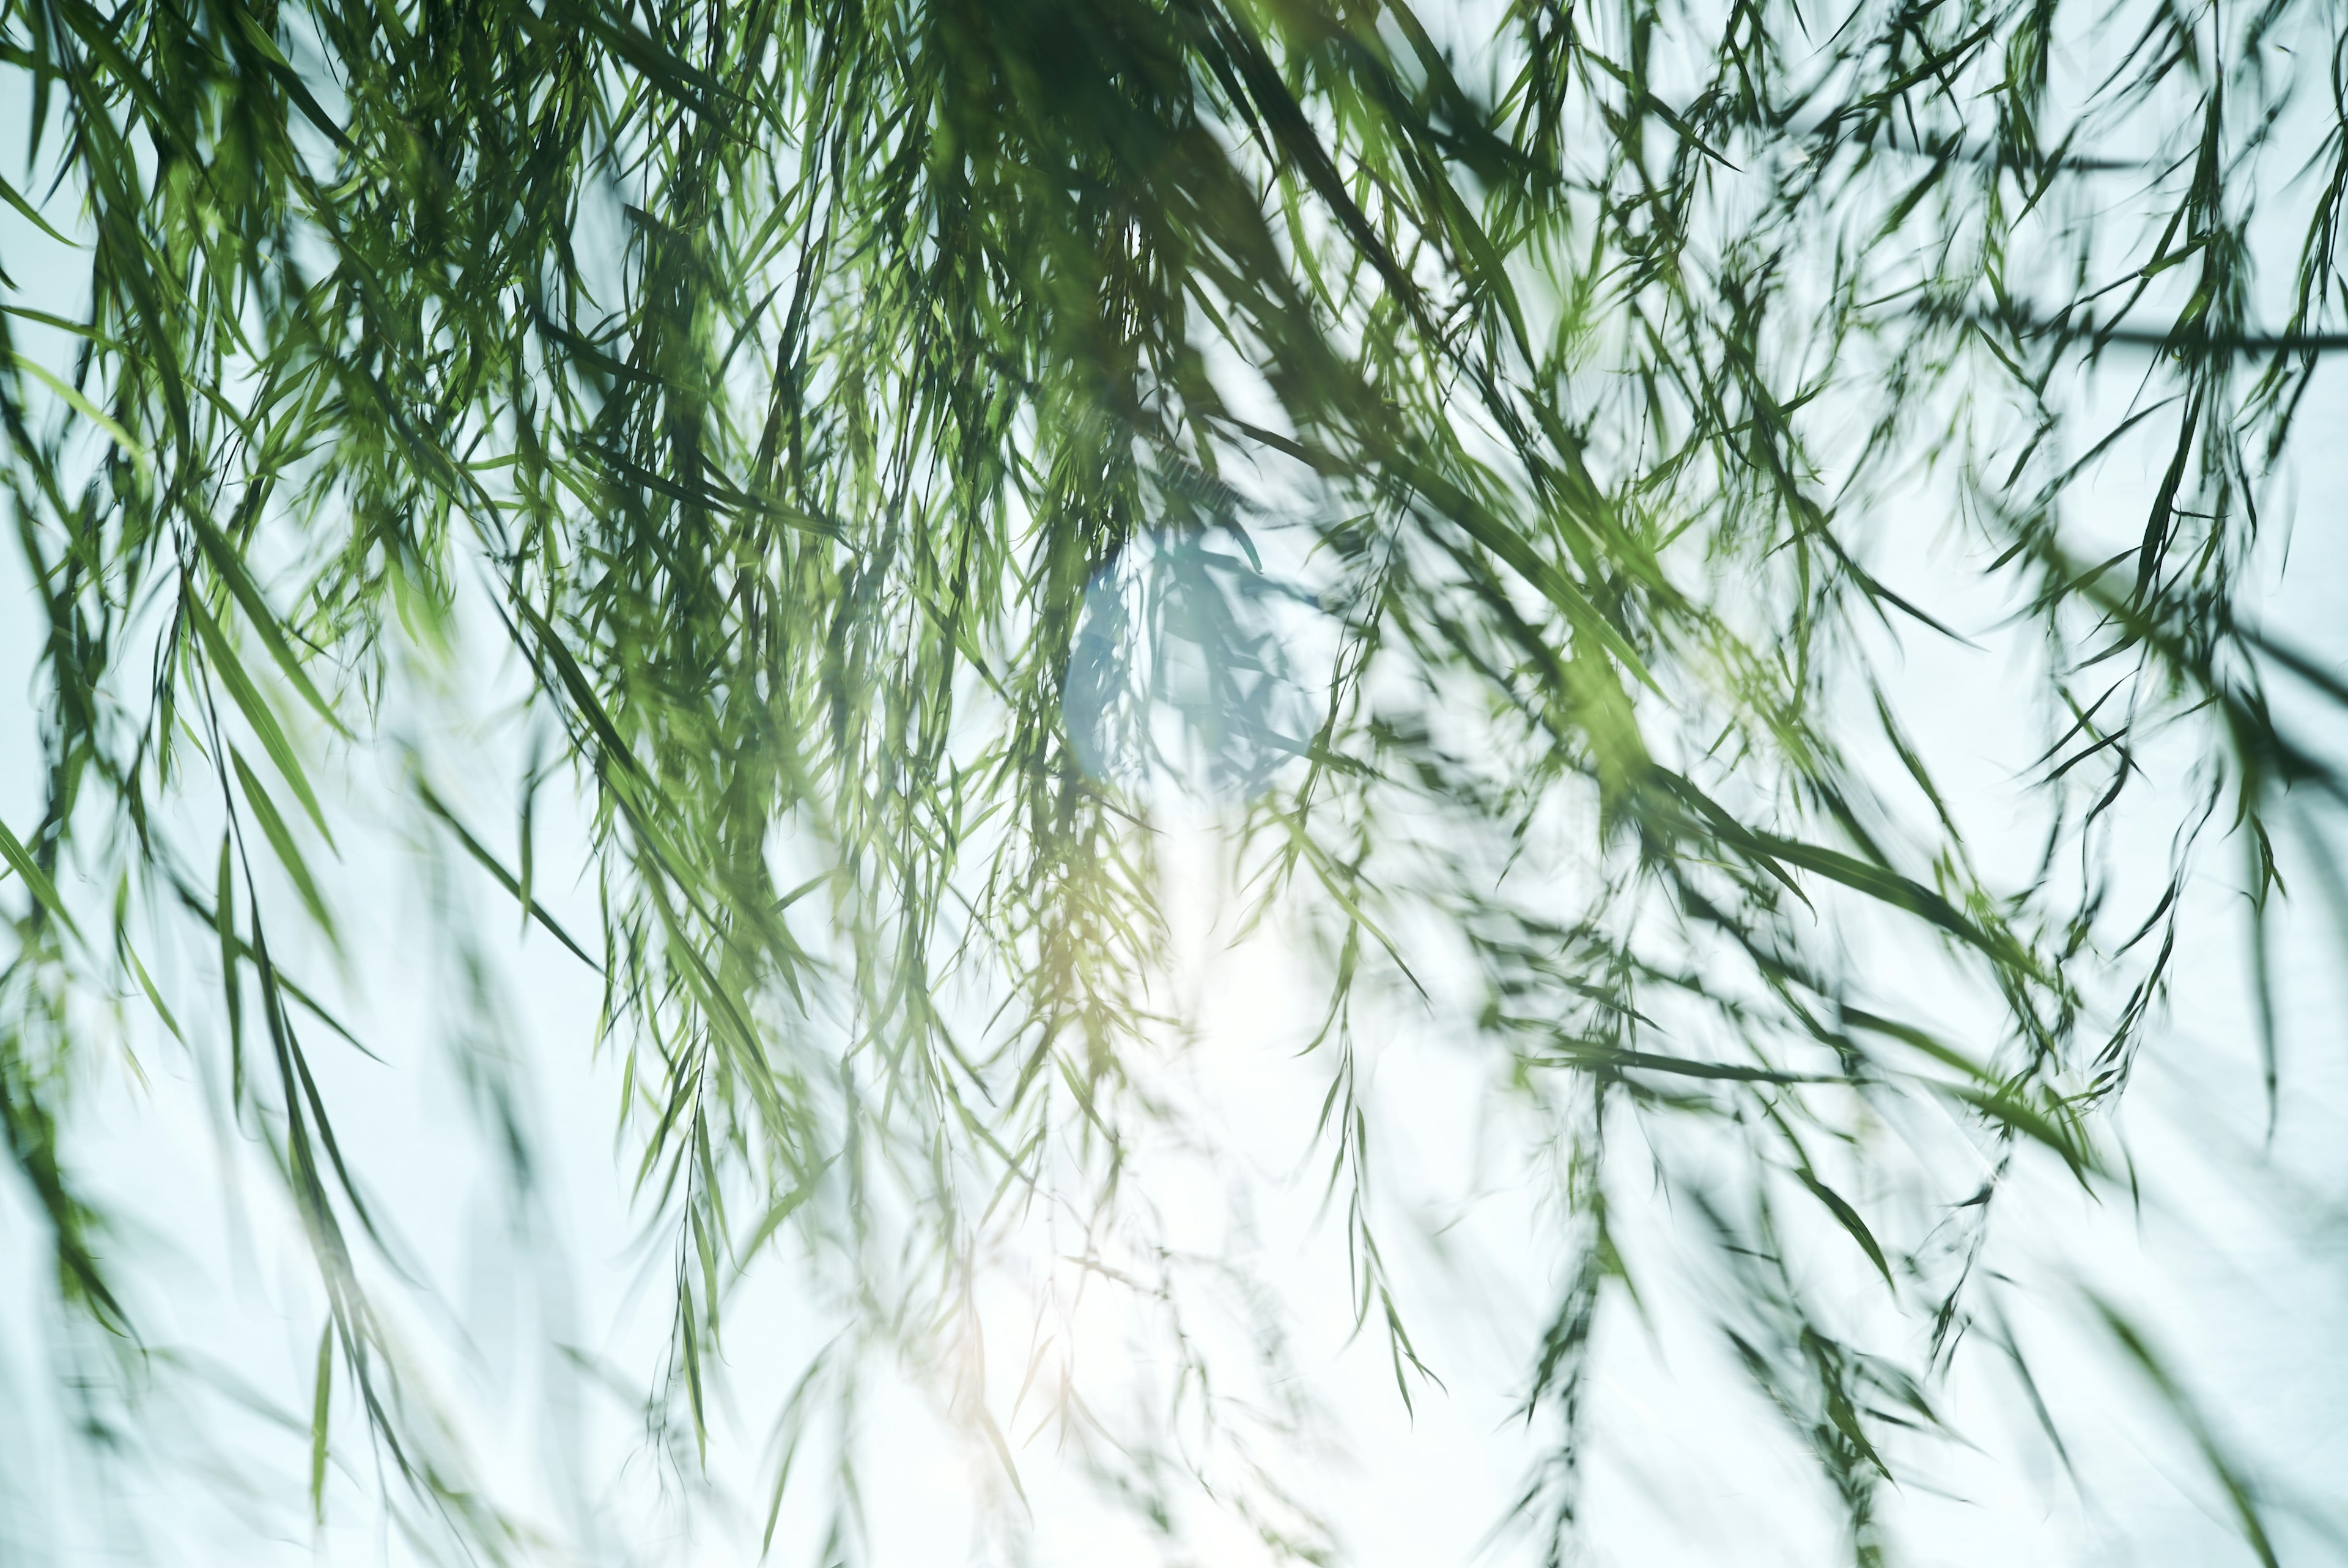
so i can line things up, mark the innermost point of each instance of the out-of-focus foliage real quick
(869, 422)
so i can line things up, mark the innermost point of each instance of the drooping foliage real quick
(1491, 457)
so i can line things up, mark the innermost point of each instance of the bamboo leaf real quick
(249, 703)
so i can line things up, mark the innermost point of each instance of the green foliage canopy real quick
(813, 395)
